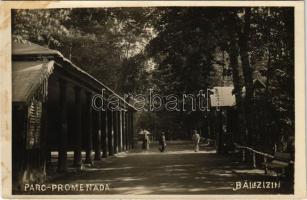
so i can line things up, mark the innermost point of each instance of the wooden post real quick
(120, 134)
(115, 127)
(110, 133)
(123, 131)
(254, 160)
(89, 129)
(63, 128)
(243, 155)
(265, 163)
(98, 137)
(44, 140)
(127, 130)
(49, 157)
(104, 134)
(132, 130)
(117, 132)
(78, 124)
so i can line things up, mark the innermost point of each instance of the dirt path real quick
(177, 171)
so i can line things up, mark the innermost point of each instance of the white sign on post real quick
(222, 96)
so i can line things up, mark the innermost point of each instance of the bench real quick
(280, 163)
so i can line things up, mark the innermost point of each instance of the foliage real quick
(178, 50)
(101, 40)
(42, 27)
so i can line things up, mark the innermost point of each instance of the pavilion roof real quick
(27, 77)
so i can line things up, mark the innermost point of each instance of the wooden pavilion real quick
(52, 111)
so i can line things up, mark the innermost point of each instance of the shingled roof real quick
(29, 48)
(27, 75)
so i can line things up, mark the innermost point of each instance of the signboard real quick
(222, 96)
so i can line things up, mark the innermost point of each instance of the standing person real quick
(162, 142)
(196, 139)
(146, 141)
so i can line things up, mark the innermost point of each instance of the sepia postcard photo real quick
(175, 99)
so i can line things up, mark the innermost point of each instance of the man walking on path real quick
(162, 142)
(196, 138)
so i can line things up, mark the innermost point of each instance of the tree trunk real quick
(267, 131)
(233, 51)
(247, 73)
(234, 65)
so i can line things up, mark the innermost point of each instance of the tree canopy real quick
(177, 50)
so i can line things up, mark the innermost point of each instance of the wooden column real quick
(132, 130)
(48, 156)
(98, 137)
(44, 139)
(254, 160)
(110, 133)
(120, 131)
(104, 119)
(78, 124)
(89, 129)
(127, 130)
(63, 128)
(124, 131)
(115, 127)
(49, 137)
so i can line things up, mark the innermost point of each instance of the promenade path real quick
(179, 170)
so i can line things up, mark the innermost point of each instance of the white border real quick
(5, 92)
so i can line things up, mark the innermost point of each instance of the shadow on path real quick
(179, 170)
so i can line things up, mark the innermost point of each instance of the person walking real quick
(147, 141)
(196, 139)
(162, 142)
(144, 143)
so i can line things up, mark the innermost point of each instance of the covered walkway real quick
(53, 112)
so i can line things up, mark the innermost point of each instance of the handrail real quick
(258, 152)
(253, 150)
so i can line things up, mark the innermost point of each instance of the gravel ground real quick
(179, 170)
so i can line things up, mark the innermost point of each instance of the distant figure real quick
(196, 139)
(144, 143)
(146, 140)
(162, 142)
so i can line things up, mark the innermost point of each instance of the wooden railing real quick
(254, 152)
